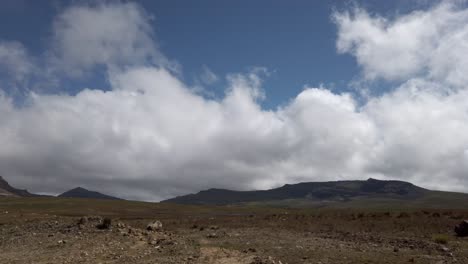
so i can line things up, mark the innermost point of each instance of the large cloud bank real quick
(151, 136)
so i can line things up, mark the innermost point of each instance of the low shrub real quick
(441, 239)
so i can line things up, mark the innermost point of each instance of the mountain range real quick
(366, 193)
(7, 190)
(345, 194)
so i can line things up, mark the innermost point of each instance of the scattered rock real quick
(105, 224)
(94, 218)
(252, 250)
(154, 226)
(259, 260)
(212, 235)
(83, 221)
(444, 249)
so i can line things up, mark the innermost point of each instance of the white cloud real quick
(151, 136)
(151, 128)
(422, 135)
(16, 68)
(14, 60)
(430, 43)
(112, 35)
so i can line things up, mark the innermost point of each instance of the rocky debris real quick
(462, 229)
(250, 250)
(269, 260)
(83, 221)
(94, 218)
(154, 226)
(89, 219)
(212, 235)
(444, 249)
(161, 242)
(412, 244)
(56, 239)
(105, 224)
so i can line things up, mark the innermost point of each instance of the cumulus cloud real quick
(429, 43)
(151, 128)
(113, 35)
(152, 137)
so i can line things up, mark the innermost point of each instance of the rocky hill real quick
(80, 192)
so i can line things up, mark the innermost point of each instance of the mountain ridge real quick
(7, 190)
(336, 191)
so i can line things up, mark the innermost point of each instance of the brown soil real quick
(233, 235)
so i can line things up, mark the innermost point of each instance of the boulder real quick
(462, 229)
(154, 226)
(105, 224)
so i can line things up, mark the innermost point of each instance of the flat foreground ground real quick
(47, 230)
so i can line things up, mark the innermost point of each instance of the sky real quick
(151, 99)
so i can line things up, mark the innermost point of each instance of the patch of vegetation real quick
(441, 239)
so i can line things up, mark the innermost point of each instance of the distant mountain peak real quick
(79, 189)
(80, 192)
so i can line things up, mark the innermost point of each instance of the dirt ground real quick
(29, 233)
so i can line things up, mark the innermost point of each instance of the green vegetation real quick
(441, 239)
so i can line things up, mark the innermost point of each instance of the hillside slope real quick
(7, 190)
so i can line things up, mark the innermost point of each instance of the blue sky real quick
(294, 40)
(151, 99)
